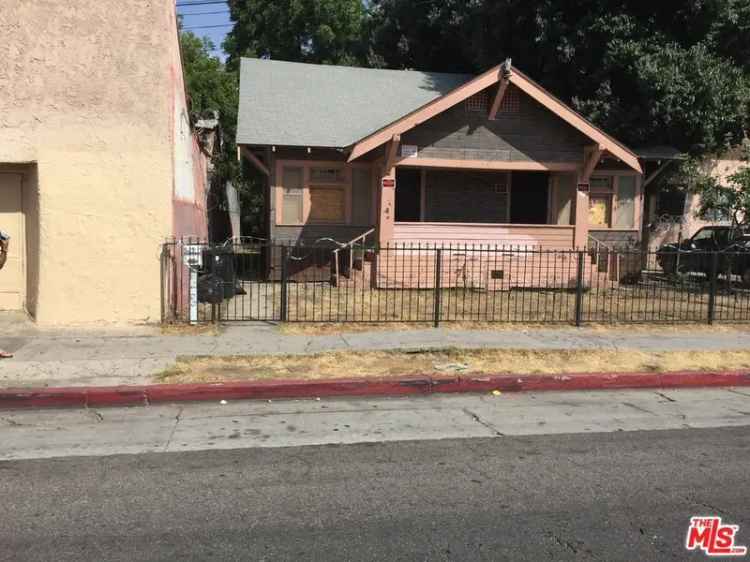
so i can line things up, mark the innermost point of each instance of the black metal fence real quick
(326, 282)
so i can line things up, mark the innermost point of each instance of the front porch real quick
(521, 209)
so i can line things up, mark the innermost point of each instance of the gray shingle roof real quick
(295, 104)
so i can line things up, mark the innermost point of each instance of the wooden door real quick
(12, 276)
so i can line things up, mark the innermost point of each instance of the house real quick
(406, 157)
(673, 215)
(98, 161)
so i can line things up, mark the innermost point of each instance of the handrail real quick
(362, 237)
(610, 252)
(600, 243)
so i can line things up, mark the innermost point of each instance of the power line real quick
(207, 26)
(204, 13)
(200, 3)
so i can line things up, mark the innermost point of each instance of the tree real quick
(314, 31)
(213, 87)
(670, 72)
(726, 199)
(210, 86)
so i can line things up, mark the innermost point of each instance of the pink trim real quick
(511, 165)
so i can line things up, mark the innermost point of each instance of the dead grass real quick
(322, 303)
(444, 361)
(331, 328)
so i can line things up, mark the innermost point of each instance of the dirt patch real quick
(449, 361)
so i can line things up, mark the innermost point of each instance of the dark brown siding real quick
(464, 196)
(531, 134)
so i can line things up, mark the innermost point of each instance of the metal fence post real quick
(284, 276)
(712, 287)
(579, 287)
(436, 299)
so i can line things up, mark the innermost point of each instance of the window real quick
(601, 183)
(600, 210)
(292, 201)
(478, 103)
(326, 175)
(327, 204)
(625, 213)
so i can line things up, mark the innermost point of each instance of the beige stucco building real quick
(98, 164)
(681, 219)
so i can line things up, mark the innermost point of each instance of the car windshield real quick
(704, 234)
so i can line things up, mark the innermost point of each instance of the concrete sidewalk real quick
(133, 356)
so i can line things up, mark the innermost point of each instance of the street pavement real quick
(110, 356)
(532, 476)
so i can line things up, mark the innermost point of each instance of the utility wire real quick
(204, 13)
(201, 3)
(190, 28)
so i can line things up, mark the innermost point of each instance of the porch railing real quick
(350, 246)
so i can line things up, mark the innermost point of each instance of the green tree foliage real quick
(212, 87)
(672, 72)
(720, 199)
(315, 31)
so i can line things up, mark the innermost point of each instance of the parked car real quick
(695, 254)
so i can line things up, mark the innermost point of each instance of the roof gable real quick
(296, 104)
(509, 75)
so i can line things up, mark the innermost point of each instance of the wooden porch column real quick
(591, 156)
(387, 189)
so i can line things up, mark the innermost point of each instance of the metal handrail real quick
(610, 252)
(362, 237)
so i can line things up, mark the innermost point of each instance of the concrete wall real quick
(89, 92)
(531, 133)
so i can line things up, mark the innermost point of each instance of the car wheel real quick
(746, 278)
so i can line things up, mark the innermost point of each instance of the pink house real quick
(403, 157)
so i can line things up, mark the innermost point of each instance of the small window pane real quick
(624, 217)
(601, 183)
(326, 175)
(327, 204)
(291, 201)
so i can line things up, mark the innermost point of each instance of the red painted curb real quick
(274, 389)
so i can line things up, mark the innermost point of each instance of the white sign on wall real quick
(409, 150)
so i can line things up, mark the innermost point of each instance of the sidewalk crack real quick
(482, 422)
(177, 419)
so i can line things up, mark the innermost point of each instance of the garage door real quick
(12, 278)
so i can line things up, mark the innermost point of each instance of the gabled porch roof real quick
(502, 74)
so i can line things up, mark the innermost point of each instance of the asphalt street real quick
(606, 495)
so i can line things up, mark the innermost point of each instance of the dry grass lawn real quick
(443, 361)
(327, 328)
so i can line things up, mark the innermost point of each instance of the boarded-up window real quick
(327, 204)
(624, 215)
(292, 195)
(600, 210)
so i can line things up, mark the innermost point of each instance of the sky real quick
(206, 18)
